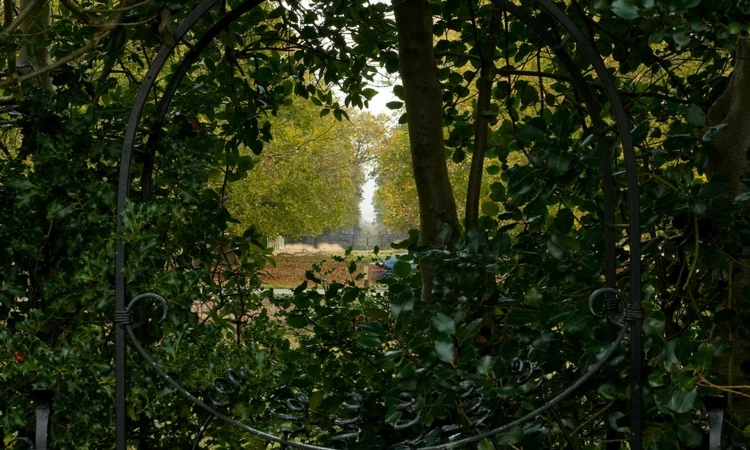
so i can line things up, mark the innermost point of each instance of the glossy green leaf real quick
(625, 9)
(695, 115)
(704, 358)
(444, 323)
(445, 349)
(682, 401)
(402, 269)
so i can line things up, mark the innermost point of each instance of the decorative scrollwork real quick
(224, 389)
(125, 317)
(409, 404)
(476, 411)
(472, 403)
(632, 312)
(294, 420)
(527, 371)
(350, 427)
(210, 408)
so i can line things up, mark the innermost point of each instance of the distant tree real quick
(309, 177)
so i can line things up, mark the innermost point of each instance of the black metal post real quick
(716, 405)
(43, 402)
(42, 399)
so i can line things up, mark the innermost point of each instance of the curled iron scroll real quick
(350, 428)
(225, 388)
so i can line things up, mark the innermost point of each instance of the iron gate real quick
(632, 303)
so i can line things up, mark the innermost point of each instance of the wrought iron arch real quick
(633, 306)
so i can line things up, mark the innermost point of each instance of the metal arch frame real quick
(633, 306)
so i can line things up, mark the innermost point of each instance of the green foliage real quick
(309, 177)
(517, 288)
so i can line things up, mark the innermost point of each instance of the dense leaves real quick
(517, 287)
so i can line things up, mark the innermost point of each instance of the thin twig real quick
(697, 254)
(583, 425)
(59, 63)
(118, 9)
(730, 389)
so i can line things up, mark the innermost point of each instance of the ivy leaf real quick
(468, 331)
(368, 340)
(485, 444)
(517, 318)
(625, 9)
(533, 297)
(564, 220)
(493, 170)
(716, 187)
(689, 434)
(296, 321)
(704, 357)
(656, 379)
(444, 348)
(490, 209)
(402, 269)
(695, 115)
(398, 91)
(614, 418)
(554, 249)
(407, 371)
(485, 366)
(682, 401)
(681, 38)
(611, 392)
(558, 163)
(444, 323)
(522, 180)
(677, 350)
(402, 306)
(510, 437)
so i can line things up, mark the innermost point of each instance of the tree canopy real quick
(309, 177)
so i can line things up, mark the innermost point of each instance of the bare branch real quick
(80, 13)
(119, 9)
(59, 63)
(23, 15)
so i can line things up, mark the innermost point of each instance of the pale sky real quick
(377, 106)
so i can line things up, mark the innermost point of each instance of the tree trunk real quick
(424, 106)
(34, 54)
(727, 156)
(482, 120)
